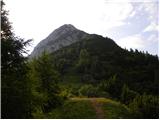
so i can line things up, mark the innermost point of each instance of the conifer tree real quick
(45, 88)
(84, 61)
(15, 90)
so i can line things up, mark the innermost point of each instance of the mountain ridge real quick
(96, 66)
(60, 37)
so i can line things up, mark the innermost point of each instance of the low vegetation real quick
(83, 108)
(74, 109)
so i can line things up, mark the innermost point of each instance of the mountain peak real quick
(60, 37)
(68, 26)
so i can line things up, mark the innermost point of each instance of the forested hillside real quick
(98, 60)
(97, 67)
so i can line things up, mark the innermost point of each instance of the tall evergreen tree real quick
(15, 90)
(127, 95)
(45, 88)
(84, 61)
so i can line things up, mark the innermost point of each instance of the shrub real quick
(145, 106)
(127, 95)
(91, 91)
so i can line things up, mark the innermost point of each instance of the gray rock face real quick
(61, 37)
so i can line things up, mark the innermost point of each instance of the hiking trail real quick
(98, 108)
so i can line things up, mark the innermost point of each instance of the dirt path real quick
(98, 107)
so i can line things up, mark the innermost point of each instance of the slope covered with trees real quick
(97, 59)
(97, 67)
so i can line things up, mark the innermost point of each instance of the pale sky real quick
(130, 24)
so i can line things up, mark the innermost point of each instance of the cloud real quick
(116, 11)
(153, 38)
(131, 1)
(140, 27)
(118, 19)
(152, 9)
(134, 42)
(46, 15)
(141, 42)
(151, 27)
(132, 14)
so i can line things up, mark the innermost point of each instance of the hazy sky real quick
(130, 24)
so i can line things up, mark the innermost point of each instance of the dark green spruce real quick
(15, 92)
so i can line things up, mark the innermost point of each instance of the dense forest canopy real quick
(100, 59)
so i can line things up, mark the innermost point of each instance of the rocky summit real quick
(61, 37)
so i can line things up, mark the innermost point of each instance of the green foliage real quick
(45, 88)
(61, 65)
(145, 106)
(82, 108)
(110, 85)
(46, 73)
(127, 95)
(93, 67)
(84, 61)
(137, 69)
(92, 91)
(115, 110)
(106, 67)
(87, 90)
(73, 109)
(15, 87)
(84, 57)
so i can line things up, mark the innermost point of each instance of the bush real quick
(145, 106)
(111, 86)
(88, 90)
(91, 91)
(127, 95)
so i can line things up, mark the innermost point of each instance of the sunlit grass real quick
(82, 108)
(115, 110)
(74, 109)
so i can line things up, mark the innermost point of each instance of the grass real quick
(74, 109)
(115, 110)
(82, 108)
